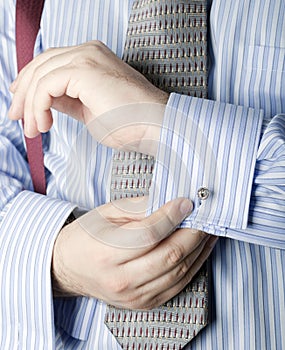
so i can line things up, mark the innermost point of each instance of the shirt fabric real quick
(234, 145)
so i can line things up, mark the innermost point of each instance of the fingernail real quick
(186, 207)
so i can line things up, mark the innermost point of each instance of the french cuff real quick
(27, 234)
(207, 153)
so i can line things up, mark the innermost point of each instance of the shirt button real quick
(203, 193)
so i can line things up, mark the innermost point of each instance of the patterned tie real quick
(167, 43)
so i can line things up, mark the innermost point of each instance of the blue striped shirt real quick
(233, 144)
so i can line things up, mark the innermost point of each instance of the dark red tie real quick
(28, 16)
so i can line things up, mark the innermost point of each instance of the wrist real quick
(61, 284)
(149, 144)
(60, 281)
(151, 138)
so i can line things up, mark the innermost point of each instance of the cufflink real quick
(69, 220)
(203, 193)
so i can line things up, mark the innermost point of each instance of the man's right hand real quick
(126, 259)
(119, 106)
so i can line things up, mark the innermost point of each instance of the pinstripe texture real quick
(189, 150)
(247, 48)
(25, 268)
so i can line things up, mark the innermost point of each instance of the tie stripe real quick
(167, 42)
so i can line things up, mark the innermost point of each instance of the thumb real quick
(135, 231)
(164, 221)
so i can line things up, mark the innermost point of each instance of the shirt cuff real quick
(212, 145)
(27, 234)
(75, 315)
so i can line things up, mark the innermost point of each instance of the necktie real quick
(167, 43)
(28, 15)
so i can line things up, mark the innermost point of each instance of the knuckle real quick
(93, 53)
(49, 50)
(140, 300)
(150, 266)
(174, 254)
(134, 301)
(192, 273)
(190, 276)
(150, 235)
(98, 44)
(98, 49)
(134, 304)
(40, 86)
(119, 285)
(83, 61)
(170, 220)
(154, 303)
(183, 269)
(202, 234)
(37, 73)
(171, 214)
(199, 234)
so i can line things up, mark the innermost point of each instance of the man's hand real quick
(127, 259)
(88, 81)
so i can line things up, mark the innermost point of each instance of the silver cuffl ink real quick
(203, 193)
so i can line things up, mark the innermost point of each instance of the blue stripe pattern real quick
(234, 145)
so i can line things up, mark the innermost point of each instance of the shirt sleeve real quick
(27, 234)
(236, 156)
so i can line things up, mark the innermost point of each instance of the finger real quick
(168, 255)
(68, 105)
(63, 81)
(104, 223)
(26, 72)
(172, 290)
(128, 232)
(45, 62)
(26, 80)
(39, 100)
(50, 65)
(161, 223)
(185, 269)
(16, 110)
(64, 104)
(143, 295)
(125, 209)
